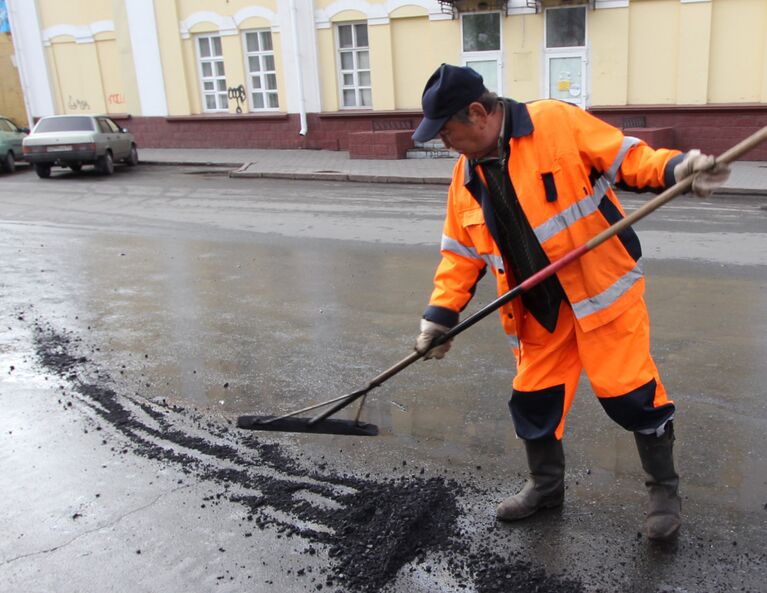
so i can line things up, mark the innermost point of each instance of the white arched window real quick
(262, 71)
(354, 65)
(210, 58)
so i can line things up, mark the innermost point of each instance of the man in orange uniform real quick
(534, 181)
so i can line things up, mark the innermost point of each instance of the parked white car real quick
(76, 140)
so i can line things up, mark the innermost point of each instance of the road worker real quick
(533, 182)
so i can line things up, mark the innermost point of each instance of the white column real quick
(30, 59)
(305, 62)
(146, 57)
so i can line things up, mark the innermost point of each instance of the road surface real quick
(143, 312)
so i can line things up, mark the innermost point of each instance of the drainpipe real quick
(299, 71)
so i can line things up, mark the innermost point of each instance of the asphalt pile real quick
(369, 529)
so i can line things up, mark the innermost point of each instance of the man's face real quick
(469, 138)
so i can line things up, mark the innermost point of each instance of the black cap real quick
(450, 89)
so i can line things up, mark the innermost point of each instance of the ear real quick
(477, 114)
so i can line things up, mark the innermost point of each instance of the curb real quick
(348, 177)
(231, 165)
(740, 192)
(240, 170)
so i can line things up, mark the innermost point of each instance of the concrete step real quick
(434, 149)
(430, 154)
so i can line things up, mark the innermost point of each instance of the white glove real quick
(430, 331)
(709, 175)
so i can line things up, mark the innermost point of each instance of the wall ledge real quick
(279, 116)
(367, 113)
(688, 108)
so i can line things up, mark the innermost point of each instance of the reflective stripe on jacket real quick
(562, 164)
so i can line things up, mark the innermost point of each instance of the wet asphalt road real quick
(227, 296)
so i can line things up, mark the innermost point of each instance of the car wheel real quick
(9, 163)
(76, 168)
(132, 159)
(105, 164)
(43, 171)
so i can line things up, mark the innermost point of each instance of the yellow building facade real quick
(312, 73)
(11, 97)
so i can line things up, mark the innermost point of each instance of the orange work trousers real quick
(616, 359)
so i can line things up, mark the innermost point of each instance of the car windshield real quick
(65, 124)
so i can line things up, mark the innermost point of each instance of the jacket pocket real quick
(549, 186)
(472, 217)
(473, 223)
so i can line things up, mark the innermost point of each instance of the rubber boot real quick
(662, 521)
(545, 489)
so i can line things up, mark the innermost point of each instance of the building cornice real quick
(81, 34)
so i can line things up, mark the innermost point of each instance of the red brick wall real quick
(655, 137)
(325, 131)
(712, 128)
(382, 144)
(216, 132)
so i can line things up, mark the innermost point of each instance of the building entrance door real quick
(490, 71)
(565, 55)
(566, 77)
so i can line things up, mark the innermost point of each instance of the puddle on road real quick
(246, 327)
(255, 328)
(375, 530)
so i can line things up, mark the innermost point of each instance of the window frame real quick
(565, 48)
(113, 125)
(213, 59)
(354, 50)
(262, 73)
(500, 32)
(103, 126)
(583, 99)
(485, 55)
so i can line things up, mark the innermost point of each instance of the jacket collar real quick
(518, 124)
(517, 113)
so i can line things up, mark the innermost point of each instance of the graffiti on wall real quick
(116, 99)
(5, 25)
(76, 104)
(238, 94)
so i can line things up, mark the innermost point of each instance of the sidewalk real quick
(748, 177)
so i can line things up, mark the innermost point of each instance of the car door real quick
(11, 136)
(105, 137)
(122, 141)
(18, 139)
(5, 137)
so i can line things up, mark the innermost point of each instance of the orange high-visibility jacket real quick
(562, 164)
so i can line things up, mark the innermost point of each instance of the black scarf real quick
(518, 244)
